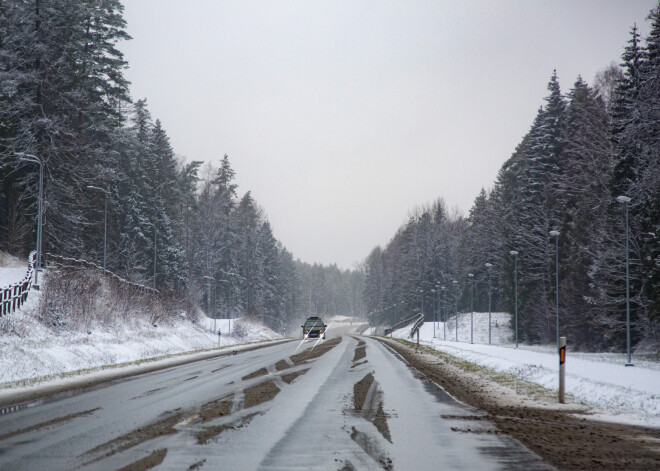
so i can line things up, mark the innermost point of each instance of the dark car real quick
(314, 327)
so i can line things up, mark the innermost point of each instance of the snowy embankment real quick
(601, 381)
(31, 352)
(12, 270)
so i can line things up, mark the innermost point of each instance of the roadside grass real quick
(520, 386)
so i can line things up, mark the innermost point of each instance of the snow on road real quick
(316, 424)
(615, 392)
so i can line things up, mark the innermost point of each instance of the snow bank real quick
(602, 381)
(30, 350)
(12, 270)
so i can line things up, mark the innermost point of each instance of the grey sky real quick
(341, 116)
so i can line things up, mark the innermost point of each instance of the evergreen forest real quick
(585, 149)
(184, 227)
(179, 226)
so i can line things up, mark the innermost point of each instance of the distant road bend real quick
(344, 403)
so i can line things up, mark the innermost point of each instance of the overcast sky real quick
(342, 116)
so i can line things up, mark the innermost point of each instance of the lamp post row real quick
(554, 233)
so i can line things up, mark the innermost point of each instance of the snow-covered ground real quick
(602, 381)
(12, 270)
(31, 352)
(36, 352)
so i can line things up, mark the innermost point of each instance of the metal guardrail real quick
(67, 262)
(361, 329)
(415, 328)
(403, 323)
(13, 296)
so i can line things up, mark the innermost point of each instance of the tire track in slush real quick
(368, 404)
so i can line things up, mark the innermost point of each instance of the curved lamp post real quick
(515, 262)
(471, 275)
(489, 266)
(434, 314)
(456, 286)
(444, 313)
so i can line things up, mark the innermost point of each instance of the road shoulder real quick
(562, 434)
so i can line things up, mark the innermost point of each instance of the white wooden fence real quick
(13, 296)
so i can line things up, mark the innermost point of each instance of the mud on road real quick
(566, 438)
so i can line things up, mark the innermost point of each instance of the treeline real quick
(328, 290)
(584, 149)
(64, 101)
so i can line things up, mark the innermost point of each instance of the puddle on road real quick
(315, 352)
(282, 365)
(368, 402)
(140, 435)
(204, 436)
(260, 393)
(288, 378)
(360, 351)
(215, 409)
(380, 421)
(197, 466)
(255, 374)
(148, 462)
(360, 390)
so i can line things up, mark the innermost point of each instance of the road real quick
(344, 403)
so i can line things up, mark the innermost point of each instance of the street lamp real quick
(436, 301)
(155, 235)
(434, 310)
(515, 262)
(555, 234)
(34, 159)
(456, 312)
(105, 222)
(471, 275)
(625, 200)
(489, 266)
(444, 313)
(421, 290)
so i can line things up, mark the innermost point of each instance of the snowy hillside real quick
(33, 349)
(599, 380)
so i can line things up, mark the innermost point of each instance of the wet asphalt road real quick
(344, 403)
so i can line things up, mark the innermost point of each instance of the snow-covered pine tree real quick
(586, 160)
(68, 80)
